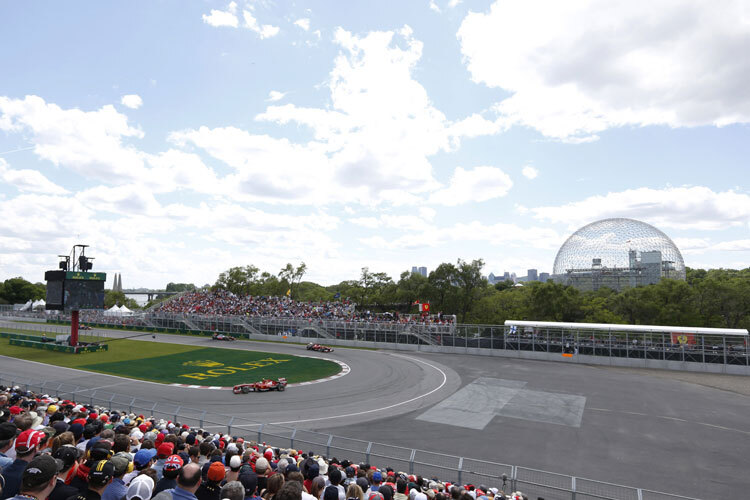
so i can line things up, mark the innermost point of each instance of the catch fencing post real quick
(109, 403)
(203, 415)
(328, 445)
(153, 408)
(411, 461)
(291, 439)
(573, 488)
(177, 412)
(130, 406)
(229, 426)
(91, 398)
(460, 469)
(640, 494)
(260, 433)
(367, 452)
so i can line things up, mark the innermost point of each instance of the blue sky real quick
(179, 138)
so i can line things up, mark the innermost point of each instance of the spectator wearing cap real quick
(233, 490)
(26, 446)
(68, 455)
(377, 478)
(140, 488)
(334, 479)
(169, 476)
(235, 463)
(117, 488)
(98, 450)
(39, 478)
(400, 490)
(188, 482)
(249, 480)
(210, 489)
(8, 431)
(100, 476)
(142, 460)
(164, 451)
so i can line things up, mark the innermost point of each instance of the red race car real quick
(221, 336)
(318, 347)
(264, 385)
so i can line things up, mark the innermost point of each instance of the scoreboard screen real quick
(73, 291)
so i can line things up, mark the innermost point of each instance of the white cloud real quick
(303, 23)
(88, 142)
(275, 95)
(588, 66)
(263, 30)
(26, 180)
(697, 208)
(218, 18)
(371, 145)
(434, 7)
(530, 172)
(478, 184)
(132, 101)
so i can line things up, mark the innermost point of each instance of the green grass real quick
(160, 362)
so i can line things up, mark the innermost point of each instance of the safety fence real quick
(461, 470)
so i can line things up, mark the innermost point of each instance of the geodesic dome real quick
(611, 240)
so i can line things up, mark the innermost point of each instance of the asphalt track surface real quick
(636, 428)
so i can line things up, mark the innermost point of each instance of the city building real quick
(543, 277)
(419, 270)
(618, 254)
(531, 275)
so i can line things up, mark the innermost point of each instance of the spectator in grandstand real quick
(164, 451)
(210, 488)
(100, 475)
(8, 431)
(26, 446)
(249, 481)
(68, 455)
(169, 476)
(188, 482)
(233, 490)
(354, 492)
(117, 488)
(140, 488)
(38, 479)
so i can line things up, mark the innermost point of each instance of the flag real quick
(513, 328)
(337, 296)
(425, 307)
(289, 292)
(683, 338)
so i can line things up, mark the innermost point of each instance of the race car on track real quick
(221, 336)
(264, 385)
(317, 347)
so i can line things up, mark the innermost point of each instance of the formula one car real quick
(221, 336)
(84, 327)
(264, 385)
(317, 347)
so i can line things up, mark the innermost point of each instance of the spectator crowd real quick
(53, 449)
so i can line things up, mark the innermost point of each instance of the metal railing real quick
(461, 470)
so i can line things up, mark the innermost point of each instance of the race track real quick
(626, 427)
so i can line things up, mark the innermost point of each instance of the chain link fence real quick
(462, 470)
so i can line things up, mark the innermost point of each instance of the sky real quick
(179, 138)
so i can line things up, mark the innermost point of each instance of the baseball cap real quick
(67, 455)
(173, 463)
(15, 410)
(144, 456)
(120, 463)
(216, 472)
(250, 481)
(28, 440)
(377, 476)
(141, 487)
(101, 472)
(8, 430)
(165, 449)
(40, 470)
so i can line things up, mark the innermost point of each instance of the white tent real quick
(38, 304)
(113, 311)
(25, 307)
(125, 310)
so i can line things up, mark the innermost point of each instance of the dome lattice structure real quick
(617, 253)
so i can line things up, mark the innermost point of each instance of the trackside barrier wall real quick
(533, 483)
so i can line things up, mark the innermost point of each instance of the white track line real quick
(445, 380)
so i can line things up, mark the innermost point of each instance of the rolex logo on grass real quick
(205, 363)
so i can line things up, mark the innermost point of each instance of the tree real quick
(442, 288)
(373, 286)
(180, 287)
(238, 280)
(554, 302)
(470, 283)
(112, 298)
(411, 287)
(20, 291)
(292, 276)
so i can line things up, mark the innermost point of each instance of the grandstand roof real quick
(627, 328)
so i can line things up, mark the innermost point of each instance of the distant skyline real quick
(179, 139)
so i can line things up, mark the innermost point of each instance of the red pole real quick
(74, 328)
